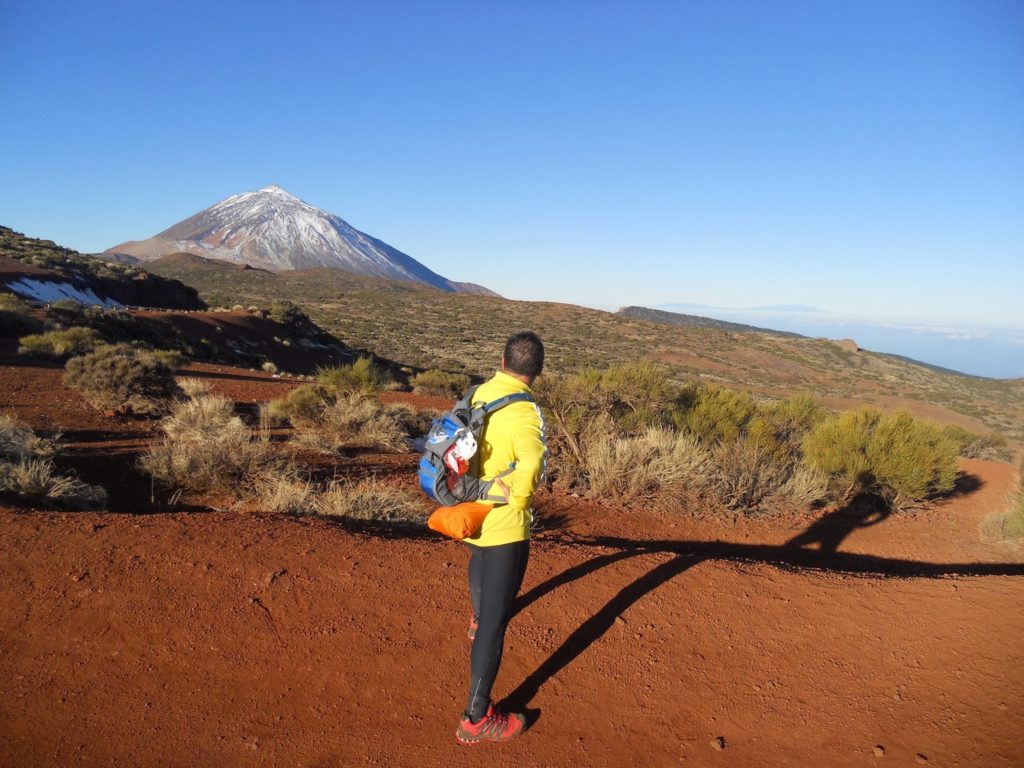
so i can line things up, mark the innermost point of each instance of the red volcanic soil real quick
(641, 638)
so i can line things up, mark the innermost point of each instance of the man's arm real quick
(530, 452)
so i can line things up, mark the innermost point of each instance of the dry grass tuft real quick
(36, 482)
(206, 446)
(194, 388)
(372, 500)
(354, 420)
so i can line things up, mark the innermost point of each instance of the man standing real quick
(512, 452)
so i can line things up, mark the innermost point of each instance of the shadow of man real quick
(862, 511)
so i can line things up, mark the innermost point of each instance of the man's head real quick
(524, 355)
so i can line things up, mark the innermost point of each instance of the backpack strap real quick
(487, 485)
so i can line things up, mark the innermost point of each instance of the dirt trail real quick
(223, 639)
(220, 639)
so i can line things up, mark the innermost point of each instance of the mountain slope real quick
(41, 270)
(695, 321)
(275, 230)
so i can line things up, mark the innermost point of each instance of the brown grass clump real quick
(415, 421)
(372, 500)
(123, 379)
(1007, 526)
(353, 421)
(643, 467)
(206, 447)
(28, 475)
(193, 388)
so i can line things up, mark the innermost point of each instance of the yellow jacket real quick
(513, 437)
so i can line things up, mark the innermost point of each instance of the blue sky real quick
(865, 158)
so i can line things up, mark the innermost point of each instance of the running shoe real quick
(474, 622)
(494, 726)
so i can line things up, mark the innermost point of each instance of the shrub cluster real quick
(123, 379)
(440, 383)
(353, 420)
(28, 475)
(627, 433)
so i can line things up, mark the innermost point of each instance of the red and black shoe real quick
(494, 726)
(474, 622)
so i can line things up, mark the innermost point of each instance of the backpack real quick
(449, 467)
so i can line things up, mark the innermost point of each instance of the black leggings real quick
(495, 575)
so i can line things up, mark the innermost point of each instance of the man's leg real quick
(501, 574)
(475, 566)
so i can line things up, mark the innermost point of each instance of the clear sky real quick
(862, 157)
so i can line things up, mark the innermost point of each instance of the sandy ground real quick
(133, 638)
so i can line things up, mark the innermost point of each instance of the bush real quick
(972, 446)
(715, 414)
(372, 500)
(285, 312)
(59, 344)
(303, 403)
(642, 467)
(353, 421)
(415, 421)
(16, 317)
(122, 379)
(902, 459)
(440, 383)
(172, 358)
(17, 442)
(206, 446)
(193, 388)
(268, 367)
(361, 376)
(778, 429)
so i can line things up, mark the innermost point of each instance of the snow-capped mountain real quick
(275, 230)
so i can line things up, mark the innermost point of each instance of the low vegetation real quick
(440, 383)
(59, 345)
(29, 476)
(1007, 526)
(353, 420)
(627, 433)
(123, 379)
(371, 500)
(206, 447)
(361, 376)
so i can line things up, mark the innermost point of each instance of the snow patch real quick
(49, 292)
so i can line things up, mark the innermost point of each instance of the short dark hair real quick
(524, 354)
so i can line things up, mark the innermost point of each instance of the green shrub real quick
(11, 302)
(778, 429)
(285, 312)
(206, 447)
(122, 379)
(303, 403)
(172, 358)
(361, 376)
(715, 414)
(1007, 526)
(897, 456)
(59, 344)
(440, 383)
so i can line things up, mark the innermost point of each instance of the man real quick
(512, 452)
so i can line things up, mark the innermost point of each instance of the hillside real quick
(696, 321)
(42, 270)
(425, 328)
